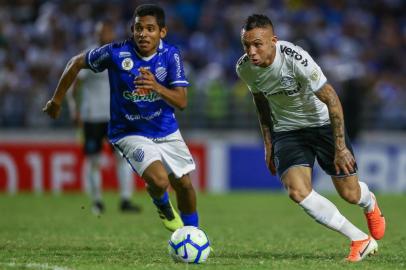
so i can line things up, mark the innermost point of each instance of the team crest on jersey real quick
(127, 64)
(287, 81)
(161, 73)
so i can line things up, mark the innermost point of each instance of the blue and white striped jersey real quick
(130, 112)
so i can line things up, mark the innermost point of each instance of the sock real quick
(93, 177)
(190, 219)
(125, 178)
(163, 200)
(366, 201)
(327, 214)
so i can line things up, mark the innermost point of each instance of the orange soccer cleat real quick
(376, 221)
(362, 248)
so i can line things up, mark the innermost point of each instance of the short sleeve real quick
(243, 73)
(99, 59)
(308, 72)
(176, 73)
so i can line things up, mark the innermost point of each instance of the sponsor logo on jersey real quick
(287, 81)
(290, 52)
(288, 92)
(134, 96)
(178, 68)
(138, 155)
(161, 73)
(134, 117)
(124, 54)
(127, 64)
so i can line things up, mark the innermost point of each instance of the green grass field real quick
(247, 230)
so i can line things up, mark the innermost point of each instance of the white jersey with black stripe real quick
(289, 84)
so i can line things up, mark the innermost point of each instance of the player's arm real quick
(176, 96)
(344, 161)
(265, 121)
(53, 106)
(73, 101)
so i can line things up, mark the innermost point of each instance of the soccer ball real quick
(189, 245)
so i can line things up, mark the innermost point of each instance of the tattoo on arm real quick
(328, 95)
(264, 115)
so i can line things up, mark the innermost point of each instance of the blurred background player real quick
(147, 83)
(90, 105)
(301, 119)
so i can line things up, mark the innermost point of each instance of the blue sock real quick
(161, 201)
(190, 219)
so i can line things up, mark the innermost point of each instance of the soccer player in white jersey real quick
(147, 82)
(90, 106)
(301, 119)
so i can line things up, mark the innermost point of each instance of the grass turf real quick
(247, 230)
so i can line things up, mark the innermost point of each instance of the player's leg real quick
(186, 198)
(93, 177)
(92, 149)
(126, 184)
(356, 192)
(145, 158)
(326, 213)
(179, 163)
(157, 185)
(297, 181)
(348, 186)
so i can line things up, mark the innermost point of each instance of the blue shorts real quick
(301, 147)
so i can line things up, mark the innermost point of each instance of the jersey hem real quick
(114, 139)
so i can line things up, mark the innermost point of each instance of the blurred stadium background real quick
(360, 45)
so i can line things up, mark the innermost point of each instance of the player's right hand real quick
(269, 160)
(52, 108)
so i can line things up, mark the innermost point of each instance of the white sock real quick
(93, 177)
(366, 201)
(327, 214)
(125, 178)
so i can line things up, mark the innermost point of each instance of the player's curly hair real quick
(150, 10)
(257, 21)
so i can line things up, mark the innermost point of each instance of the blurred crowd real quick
(360, 45)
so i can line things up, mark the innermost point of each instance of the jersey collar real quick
(159, 49)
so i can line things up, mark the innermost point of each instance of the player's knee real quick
(297, 195)
(183, 183)
(349, 195)
(159, 182)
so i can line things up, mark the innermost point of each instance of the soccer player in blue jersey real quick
(147, 83)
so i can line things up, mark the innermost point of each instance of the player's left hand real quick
(344, 161)
(146, 81)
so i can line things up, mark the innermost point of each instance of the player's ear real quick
(163, 32)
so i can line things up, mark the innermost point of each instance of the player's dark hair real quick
(257, 21)
(151, 10)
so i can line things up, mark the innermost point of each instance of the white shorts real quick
(171, 150)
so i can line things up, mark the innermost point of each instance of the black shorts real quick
(94, 134)
(301, 147)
